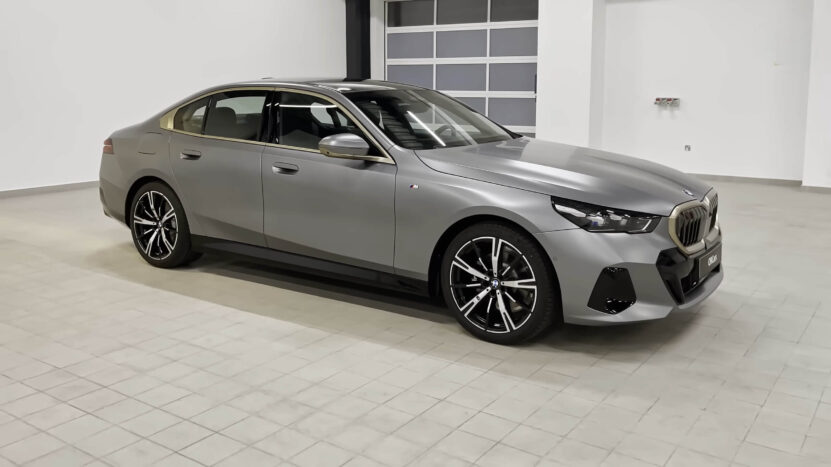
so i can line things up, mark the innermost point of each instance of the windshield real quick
(425, 119)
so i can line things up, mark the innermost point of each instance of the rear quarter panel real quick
(140, 151)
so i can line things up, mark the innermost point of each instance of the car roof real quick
(336, 84)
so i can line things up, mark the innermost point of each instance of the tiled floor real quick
(105, 360)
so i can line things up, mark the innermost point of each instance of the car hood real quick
(571, 172)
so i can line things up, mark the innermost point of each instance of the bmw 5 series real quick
(407, 188)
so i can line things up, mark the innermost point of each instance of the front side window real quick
(425, 119)
(306, 119)
(190, 117)
(236, 114)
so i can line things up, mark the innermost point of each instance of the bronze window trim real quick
(166, 122)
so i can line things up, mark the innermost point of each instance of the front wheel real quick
(498, 283)
(160, 229)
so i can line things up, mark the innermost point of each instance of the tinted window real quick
(462, 43)
(410, 13)
(190, 117)
(305, 120)
(514, 10)
(425, 119)
(417, 75)
(410, 45)
(513, 42)
(461, 11)
(236, 114)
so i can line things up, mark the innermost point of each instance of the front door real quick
(328, 208)
(217, 160)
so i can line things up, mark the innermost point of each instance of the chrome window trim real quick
(166, 122)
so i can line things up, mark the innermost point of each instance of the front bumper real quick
(580, 258)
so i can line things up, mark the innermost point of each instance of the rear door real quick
(216, 152)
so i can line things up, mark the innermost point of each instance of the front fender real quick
(426, 209)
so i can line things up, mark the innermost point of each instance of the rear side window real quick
(236, 114)
(305, 120)
(191, 117)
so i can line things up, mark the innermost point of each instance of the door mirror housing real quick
(345, 146)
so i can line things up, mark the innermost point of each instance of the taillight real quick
(108, 146)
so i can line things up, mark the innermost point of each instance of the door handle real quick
(189, 154)
(284, 168)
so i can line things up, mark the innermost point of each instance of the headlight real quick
(601, 219)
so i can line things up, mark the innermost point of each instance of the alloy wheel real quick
(493, 284)
(155, 225)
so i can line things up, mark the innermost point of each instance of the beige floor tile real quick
(393, 451)
(176, 460)
(79, 428)
(597, 434)
(66, 456)
(502, 455)
(180, 435)
(569, 452)
(464, 445)
(488, 426)
(150, 423)
(286, 443)
(122, 411)
(29, 404)
(646, 449)
(212, 449)
(439, 459)
(385, 419)
(106, 441)
(321, 425)
(250, 430)
(449, 414)
(143, 452)
(322, 454)
(219, 417)
(97, 399)
(72, 389)
(14, 431)
(189, 406)
(30, 448)
(53, 416)
(100, 350)
(686, 458)
(249, 457)
(776, 438)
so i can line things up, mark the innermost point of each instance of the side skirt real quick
(307, 264)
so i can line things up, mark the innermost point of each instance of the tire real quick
(525, 286)
(159, 227)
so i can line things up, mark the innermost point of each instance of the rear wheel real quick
(160, 229)
(498, 283)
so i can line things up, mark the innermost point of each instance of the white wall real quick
(818, 135)
(74, 71)
(565, 67)
(377, 42)
(740, 68)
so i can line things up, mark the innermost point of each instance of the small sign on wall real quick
(668, 101)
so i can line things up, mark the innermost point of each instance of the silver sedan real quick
(407, 188)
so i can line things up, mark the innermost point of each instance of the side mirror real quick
(345, 146)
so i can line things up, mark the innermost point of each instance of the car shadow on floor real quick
(647, 336)
(342, 290)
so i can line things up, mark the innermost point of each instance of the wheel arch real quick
(137, 184)
(434, 272)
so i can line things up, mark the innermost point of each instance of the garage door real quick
(482, 52)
